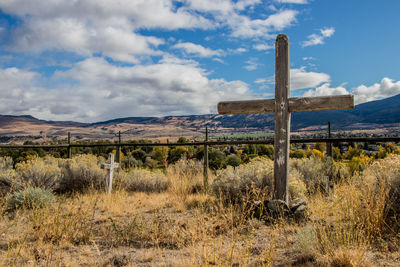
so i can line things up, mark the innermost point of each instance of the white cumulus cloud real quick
(261, 47)
(386, 88)
(198, 50)
(300, 78)
(317, 39)
(326, 90)
(292, 1)
(251, 64)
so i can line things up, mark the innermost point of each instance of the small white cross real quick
(110, 166)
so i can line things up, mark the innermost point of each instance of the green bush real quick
(233, 160)
(31, 197)
(139, 154)
(177, 153)
(265, 150)
(298, 154)
(215, 158)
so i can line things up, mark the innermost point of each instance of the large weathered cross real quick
(110, 165)
(282, 105)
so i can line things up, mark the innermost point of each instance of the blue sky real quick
(90, 60)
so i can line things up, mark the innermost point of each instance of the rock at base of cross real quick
(273, 209)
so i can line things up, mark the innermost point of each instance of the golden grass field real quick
(157, 218)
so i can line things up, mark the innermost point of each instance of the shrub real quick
(313, 172)
(6, 163)
(140, 180)
(31, 197)
(352, 152)
(297, 188)
(385, 175)
(320, 147)
(265, 150)
(151, 163)
(298, 153)
(82, 172)
(233, 184)
(177, 153)
(160, 153)
(233, 160)
(185, 177)
(216, 158)
(317, 153)
(358, 163)
(40, 172)
(8, 176)
(139, 154)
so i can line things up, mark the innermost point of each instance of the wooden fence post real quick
(330, 182)
(205, 152)
(329, 144)
(69, 152)
(118, 152)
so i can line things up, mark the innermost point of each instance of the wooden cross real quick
(110, 166)
(282, 105)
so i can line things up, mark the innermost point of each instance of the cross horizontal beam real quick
(109, 165)
(295, 104)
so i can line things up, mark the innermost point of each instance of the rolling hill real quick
(382, 114)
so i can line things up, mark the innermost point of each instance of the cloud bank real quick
(105, 91)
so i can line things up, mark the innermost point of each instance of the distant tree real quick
(177, 153)
(182, 140)
(265, 150)
(139, 154)
(150, 163)
(216, 158)
(298, 153)
(160, 153)
(198, 153)
(232, 160)
(320, 146)
(336, 153)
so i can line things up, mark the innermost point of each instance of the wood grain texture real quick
(295, 104)
(282, 118)
(248, 106)
(321, 103)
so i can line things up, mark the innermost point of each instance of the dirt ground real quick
(138, 229)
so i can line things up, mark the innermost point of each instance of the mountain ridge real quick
(382, 113)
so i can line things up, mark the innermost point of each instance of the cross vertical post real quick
(282, 118)
(282, 106)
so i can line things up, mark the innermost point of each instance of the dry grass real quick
(145, 223)
(141, 180)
